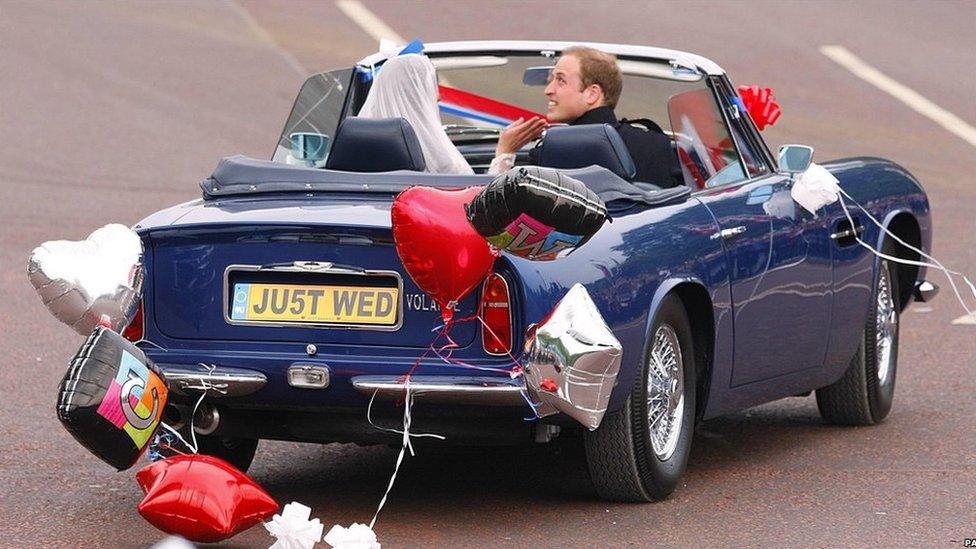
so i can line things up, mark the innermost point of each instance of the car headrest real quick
(569, 147)
(375, 145)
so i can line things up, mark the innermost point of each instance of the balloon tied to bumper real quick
(572, 360)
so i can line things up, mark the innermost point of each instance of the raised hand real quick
(518, 133)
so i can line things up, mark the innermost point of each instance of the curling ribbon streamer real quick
(819, 179)
(936, 264)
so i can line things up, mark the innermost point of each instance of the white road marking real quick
(375, 27)
(368, 21)
(265, 36)
(906, 95)
(965, 320)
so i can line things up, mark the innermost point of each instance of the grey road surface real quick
(110, 111)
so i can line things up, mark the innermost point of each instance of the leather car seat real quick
(375, 145)
(570, 147)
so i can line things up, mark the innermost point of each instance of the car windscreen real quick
(647, 86)
(479, 94)
(314, 118)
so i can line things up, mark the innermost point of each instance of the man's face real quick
(567, 98)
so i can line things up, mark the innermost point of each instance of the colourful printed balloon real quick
(536, 213)
(112, 398)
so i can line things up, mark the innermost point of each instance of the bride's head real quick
(403, 85)
(406, 87)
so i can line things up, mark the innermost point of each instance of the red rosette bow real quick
(761, 105)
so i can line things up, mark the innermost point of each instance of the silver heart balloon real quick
(95, 281)
(572, 360)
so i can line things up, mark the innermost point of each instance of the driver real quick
(583, 88)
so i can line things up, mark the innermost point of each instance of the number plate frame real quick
(317, 268)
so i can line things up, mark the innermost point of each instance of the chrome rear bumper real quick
(444, 389)
(228, 382)
(235, 382)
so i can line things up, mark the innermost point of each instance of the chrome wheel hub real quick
(886, 325)
(665, 392)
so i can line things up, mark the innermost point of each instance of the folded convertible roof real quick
(239, 175)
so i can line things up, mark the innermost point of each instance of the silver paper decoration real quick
(83, 282)
(572, 360)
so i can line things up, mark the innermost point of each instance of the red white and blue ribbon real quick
(478, 107)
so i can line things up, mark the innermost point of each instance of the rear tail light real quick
(496, 333)
(133, 332)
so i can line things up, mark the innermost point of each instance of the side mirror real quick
(794, 159)
(310, 148)
(536, 76)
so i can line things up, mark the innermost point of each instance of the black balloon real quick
(536, 213)
(112, 398)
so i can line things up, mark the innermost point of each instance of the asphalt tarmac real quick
(110, 111)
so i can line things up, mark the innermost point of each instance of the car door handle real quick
(729, 233)
(848, 232)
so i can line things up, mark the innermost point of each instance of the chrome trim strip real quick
(315, 267)
(230, 382)
(537, 46)
(443, 389)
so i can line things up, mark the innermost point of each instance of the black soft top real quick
(240, 175)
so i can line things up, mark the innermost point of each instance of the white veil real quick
(407, 87)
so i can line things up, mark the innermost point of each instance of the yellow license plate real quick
(301, 303)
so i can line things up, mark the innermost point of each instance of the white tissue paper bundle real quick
(357, 536)
(815, 188)
(293, 529)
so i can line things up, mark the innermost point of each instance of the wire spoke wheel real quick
(886, 320)
(864, 394)
(640, 451)
(665, 392)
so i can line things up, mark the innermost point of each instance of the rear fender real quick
(627, 377)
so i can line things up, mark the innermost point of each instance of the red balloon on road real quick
(201, 498)
(440, 250)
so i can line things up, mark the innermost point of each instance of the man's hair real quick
(597, 67)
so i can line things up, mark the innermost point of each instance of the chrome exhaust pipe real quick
(174, 416)
(206, 420)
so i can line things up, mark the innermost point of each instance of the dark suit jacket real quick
(651, 150)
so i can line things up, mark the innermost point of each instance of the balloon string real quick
(408, 400)
(204, 386)
(936, 264)
(442, 331)
(405, 441)
(514, 371)
(517, 371)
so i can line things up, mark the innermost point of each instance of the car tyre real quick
(239, 452)
(630, 456)
(864, 395)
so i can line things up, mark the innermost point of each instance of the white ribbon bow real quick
(815, 188)
(293, 529)
(357, 536)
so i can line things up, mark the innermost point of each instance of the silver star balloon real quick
(572, 360)
(95, 281)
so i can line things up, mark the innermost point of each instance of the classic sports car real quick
(723, 292)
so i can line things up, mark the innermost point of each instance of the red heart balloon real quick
(440, 250)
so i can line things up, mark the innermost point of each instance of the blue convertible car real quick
(722, 291)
